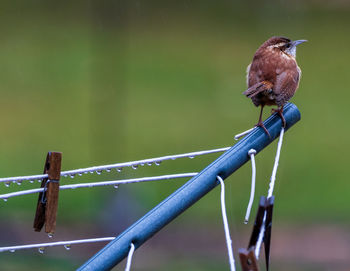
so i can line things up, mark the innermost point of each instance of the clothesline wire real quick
(97, 184)
(60, 243)
(270, 193)
(118, 166)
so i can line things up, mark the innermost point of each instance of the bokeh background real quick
(113, 81)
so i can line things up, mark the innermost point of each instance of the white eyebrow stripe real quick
(277, 45)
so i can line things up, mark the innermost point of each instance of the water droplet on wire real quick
(116, 186)
(157, 163)
(67, 247)
(98, 172)
(191, 157)
(119, 169)
(19, 182)
(80, 174)
(108, 170)
(41, 250)
(5, 199)
(31, 181)
(149, 163)
(134, 166)
(12, 250)
(72, 176)
(50, 234)
(7, 184)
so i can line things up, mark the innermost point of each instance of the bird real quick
(273, 75)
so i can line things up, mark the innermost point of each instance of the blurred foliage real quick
(112, 81)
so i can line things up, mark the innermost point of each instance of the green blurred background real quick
(113, 81)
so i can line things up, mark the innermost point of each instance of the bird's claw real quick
(279, 111)
(261, 124)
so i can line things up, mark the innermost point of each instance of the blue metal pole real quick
(189, 193)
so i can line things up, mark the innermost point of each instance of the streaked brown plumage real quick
(273, 76)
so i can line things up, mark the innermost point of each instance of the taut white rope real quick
(66, 244)
(118, 166)
(226, 228)
(275, 166)
(251, 153)
(270, 192)
(131, 252)
(238, 136)
(115, 183)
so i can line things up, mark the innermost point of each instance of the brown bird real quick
(273, 76)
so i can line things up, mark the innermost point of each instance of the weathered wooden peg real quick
(46, 210)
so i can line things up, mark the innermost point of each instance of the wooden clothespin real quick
(265, 206)
(48, 199)
(248, 259)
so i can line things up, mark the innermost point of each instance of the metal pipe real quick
(189, 193)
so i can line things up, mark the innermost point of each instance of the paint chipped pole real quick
(189, 193)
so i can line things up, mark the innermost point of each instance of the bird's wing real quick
(286, 84)
(258, 88)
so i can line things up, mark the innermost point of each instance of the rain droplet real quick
(65, 175)
(98, 172)
(80, 174)
(108, 170)
(31, 181)
(12, 250)
(39, 180)
(191, 157)
(19, 182)
(119, 169)
(92, 172)
(7, 184)
(67, 247)
(116, 186)
(72, 176)
(50, 234)
(41, 250)
(157, 163)
(134, 166)
(5, 199)
(142, 164)
(149, 163)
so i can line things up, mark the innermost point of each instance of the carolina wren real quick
(273, 76)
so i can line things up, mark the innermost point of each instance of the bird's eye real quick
(288, 45)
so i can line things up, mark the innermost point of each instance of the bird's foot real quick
(279, 111)
(261, 124)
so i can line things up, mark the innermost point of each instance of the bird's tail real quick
(258, 88)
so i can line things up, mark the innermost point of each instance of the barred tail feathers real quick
(257, 88)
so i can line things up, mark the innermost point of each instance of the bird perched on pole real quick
(273, 76)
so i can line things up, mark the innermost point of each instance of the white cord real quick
(260, 238)
(270, 192)
(131, 252)
(238, 136)
(275, 166)
(66, 244)
(118, 166)
(251, 153)
(227, 230)
(96, 184)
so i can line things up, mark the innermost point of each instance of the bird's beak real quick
(297, 42)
